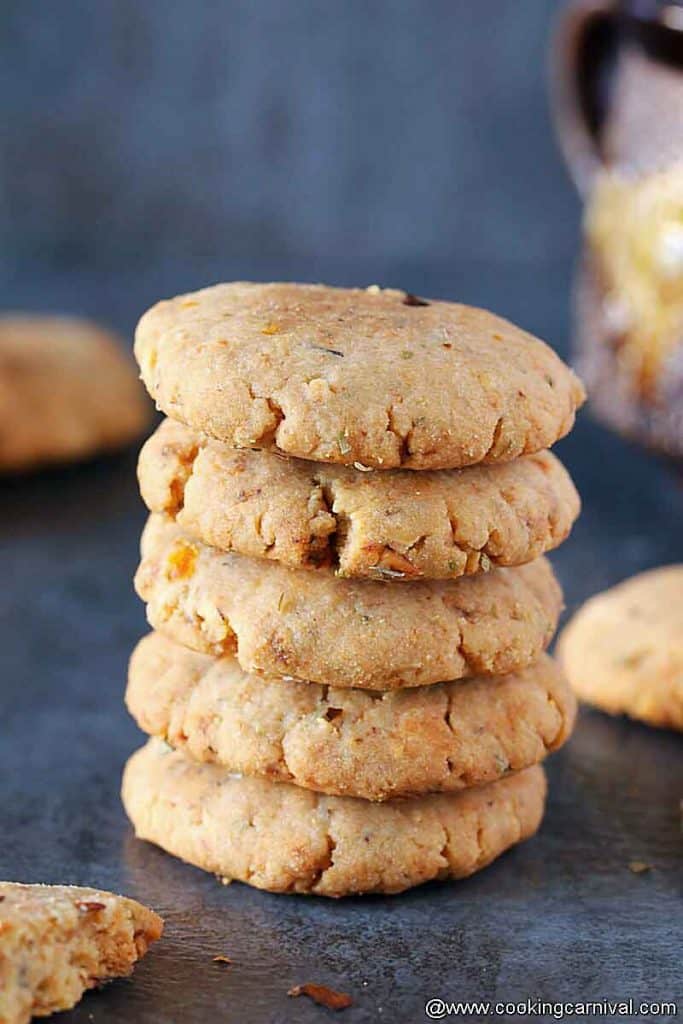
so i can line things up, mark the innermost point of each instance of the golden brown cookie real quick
(56, 941)
(67, 391)
(313, 626)
(286, 839)
(353, 375)
(439, 738)
(440, 524)
(623, 650)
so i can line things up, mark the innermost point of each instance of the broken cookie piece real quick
(57, 941)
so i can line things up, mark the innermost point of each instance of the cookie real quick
(286, 839)
(623, 650)
(313, 626)
(439, 738)
(354, 376)
(440, 524)
(56, 941)
(67, 391)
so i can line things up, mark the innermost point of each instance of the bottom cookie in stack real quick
(283, 838)
(340, 828)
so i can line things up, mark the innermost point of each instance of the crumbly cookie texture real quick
(439, 524)
(352, 375)
(56, 941)
(623, 650)
(439, 738)
(286, 839)
(67, 391)
(316, 627)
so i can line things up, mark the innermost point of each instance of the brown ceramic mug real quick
(617, 92)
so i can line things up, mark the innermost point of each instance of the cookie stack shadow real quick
(347, 688)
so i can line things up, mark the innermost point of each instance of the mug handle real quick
(583, 47)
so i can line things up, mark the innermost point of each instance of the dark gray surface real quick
(154, 148)
(343, 142)
(561, 917)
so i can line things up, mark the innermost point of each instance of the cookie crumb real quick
(322, 995)
(638, 867)
(221, 958)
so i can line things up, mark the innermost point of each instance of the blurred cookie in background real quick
(623, 650)
(67, 392)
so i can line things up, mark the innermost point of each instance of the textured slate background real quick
(152, 147)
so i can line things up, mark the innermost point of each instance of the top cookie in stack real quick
(317, 433)
(373, 379)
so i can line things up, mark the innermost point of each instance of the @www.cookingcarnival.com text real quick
(630, 1009)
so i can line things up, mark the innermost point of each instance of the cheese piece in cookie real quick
(351, 375)
(360, 743)
(623, 650)
(439, 524)
(341, 632)
(67, 392)
(286, 839)
(57, 941)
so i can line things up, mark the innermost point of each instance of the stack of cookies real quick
(347, 689)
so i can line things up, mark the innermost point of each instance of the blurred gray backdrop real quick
(153, 146)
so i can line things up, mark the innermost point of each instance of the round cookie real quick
(440, 524)
(67, 391)
(354, 376)
(623, 650)
(339, 632)
(439, 738)
(286, 839)
(56, 941)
